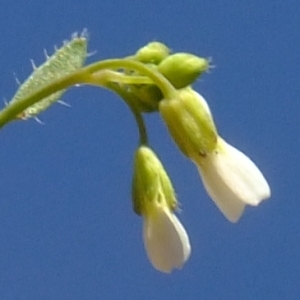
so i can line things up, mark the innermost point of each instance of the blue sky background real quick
(67, 230)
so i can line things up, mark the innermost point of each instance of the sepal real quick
(190, 123)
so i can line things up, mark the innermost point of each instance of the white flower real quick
(232, 180)
(166, 241)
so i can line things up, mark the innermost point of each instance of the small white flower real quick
(232, 180)
(166, 241)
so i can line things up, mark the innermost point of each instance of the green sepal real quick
(190, 123)
(150, 182)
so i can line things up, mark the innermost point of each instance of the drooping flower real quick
(166, 241)
(231, 179)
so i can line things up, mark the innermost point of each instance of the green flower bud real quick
(190, 123)
(151, 185)
(153, 52)
(182, 69)
(148, 97)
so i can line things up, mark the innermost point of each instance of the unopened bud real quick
(182, 69)
(152, 53)
(148, 97)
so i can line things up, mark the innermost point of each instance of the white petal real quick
(166, 241)
(233, 180)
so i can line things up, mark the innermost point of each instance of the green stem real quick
(86, 76)
(136, 113)
(116, 77)
(163, 84)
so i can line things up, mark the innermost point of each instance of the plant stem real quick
(163, 84)
(143, 140)
(86, 76)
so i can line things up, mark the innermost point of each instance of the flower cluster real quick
(230, 178)
(154, 80)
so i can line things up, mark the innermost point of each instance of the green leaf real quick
(69, 58)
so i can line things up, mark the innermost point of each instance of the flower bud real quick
(153, 53)
(149, 179)
(166, 241)
(190, 123)
(148, 97)
(182, 69)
